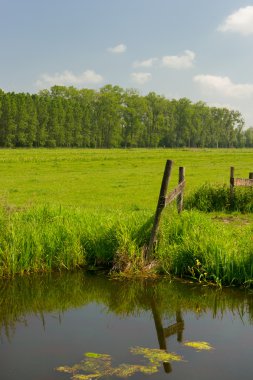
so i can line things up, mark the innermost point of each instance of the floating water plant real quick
(97, 365)
(199, 346)
(100, 365)
(155, 355)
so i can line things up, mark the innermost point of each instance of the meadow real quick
(110, 179)
(69, 208)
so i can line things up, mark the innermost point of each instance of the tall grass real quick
(203, 248)
(52, 238)
(216, 197)
(193, 244)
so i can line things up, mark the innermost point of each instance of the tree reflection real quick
(56, 293)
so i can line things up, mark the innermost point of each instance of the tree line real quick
(112, 117)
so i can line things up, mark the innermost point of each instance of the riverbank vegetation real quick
(194, 244)
(211, 241)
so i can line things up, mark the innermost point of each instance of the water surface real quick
(52, 320)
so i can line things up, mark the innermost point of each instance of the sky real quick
(198, 49)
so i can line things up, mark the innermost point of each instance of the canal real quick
(84, 326)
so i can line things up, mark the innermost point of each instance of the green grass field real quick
(65, 208)
(109, 179)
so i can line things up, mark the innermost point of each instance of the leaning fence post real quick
(159, 208)
(180, 198)
(232, 175)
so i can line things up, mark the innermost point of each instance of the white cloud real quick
(118, 49)
(223, 86)
(241, 21)
(146, 63)
(67, 78)
(141, 78)
(184, 61)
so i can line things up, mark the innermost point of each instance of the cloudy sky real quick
(199, 49)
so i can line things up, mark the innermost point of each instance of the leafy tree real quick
(8, 126)
(41, 103)
(109, 116)
(133, 110)
(56, 132)
(89, 127)
(184, 125)
(114, 117)
(248, 136)
(154, 118)
(168, 131)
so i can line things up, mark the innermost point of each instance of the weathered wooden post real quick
(160, 206)
(232, 176)
(180, 197)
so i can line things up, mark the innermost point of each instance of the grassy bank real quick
(195, 244)
(207, 247)
(52, 238)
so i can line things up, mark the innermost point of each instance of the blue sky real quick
(199, 49)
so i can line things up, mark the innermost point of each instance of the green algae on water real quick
(99, 365)
(156, 356)
(199, 346)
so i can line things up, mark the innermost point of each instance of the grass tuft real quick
(216, 197)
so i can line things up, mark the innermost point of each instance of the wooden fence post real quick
(250, 175)
(159, 208)
(232, 176)
(180, 198)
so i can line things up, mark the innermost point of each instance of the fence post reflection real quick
(163, 333)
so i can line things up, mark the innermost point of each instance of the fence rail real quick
(175, 193)
(241, 182)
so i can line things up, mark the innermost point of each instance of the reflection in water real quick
(163, 333)
(60, 292)
(169, 304)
